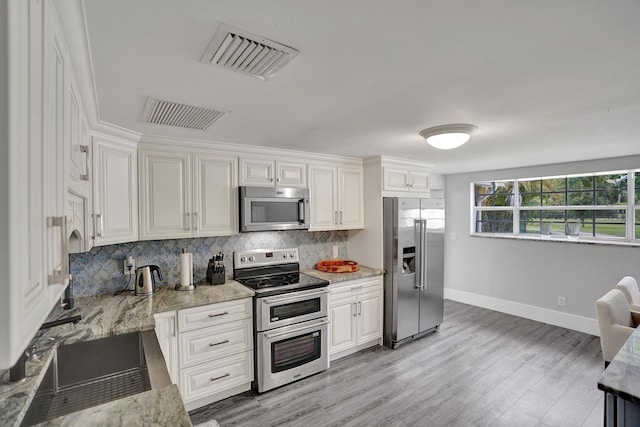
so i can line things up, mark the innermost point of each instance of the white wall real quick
(526, 277)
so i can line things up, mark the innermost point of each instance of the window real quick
(594, 206)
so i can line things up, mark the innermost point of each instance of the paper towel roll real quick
(186, 269)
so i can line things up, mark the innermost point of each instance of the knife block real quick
(215, 277)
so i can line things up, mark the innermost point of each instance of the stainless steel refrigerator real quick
(413, 232)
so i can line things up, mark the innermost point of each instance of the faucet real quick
(17, 372)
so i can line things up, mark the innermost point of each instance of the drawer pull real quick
(220, 377)
(213, 344)
(219, 314)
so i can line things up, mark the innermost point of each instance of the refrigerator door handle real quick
(423, 254)
(419, 228)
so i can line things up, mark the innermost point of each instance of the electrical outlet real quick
(562, 301)
(335, 251)
(129, 266)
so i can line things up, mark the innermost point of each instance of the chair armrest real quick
(635, 317)
(616, 336)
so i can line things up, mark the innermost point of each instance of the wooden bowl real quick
(338, 266)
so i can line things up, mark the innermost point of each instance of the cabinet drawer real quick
(354, 287)
(213, 377)
(214, 314)
(203, 345)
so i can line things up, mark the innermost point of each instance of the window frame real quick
(629, 209)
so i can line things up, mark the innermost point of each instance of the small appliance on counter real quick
(146, 281)
(186, 272)
(216, 270)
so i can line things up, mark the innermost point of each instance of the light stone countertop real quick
(103, 316)
(622, 376)
(364, 272)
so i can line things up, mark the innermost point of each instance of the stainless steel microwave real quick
(268, 209)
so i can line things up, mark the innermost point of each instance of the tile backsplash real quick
(100, 270)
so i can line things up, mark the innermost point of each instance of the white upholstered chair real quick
(629, 288)
(616, 323)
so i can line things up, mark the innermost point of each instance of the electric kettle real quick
(146, 281)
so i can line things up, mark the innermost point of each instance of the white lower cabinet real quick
(167, 332)
(211, 354)
(355, 315)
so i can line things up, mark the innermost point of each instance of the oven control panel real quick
(261, 257)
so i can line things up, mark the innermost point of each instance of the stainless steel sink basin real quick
(91, 373)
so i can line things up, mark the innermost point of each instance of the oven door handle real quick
(298, 296)
(315, 325)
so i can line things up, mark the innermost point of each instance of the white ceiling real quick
(545, 81)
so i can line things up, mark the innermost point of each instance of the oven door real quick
(266, 209)
(292, 352)
(294, 307)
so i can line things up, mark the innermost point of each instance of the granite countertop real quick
(103, 316)
(622, 376)
(343, 277)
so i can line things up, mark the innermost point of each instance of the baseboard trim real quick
(544, 315)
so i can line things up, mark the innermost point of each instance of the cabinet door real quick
(54, 115)
(166, 330)
(369, 317)
(351, 198)
(323, 195)
(395, 179)
(291, 175)
(419, 182)
(115, 192)
(257, 172)
(215, 195)
(165, 195)
(343, 318)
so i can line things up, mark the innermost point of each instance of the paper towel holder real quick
(182, 287)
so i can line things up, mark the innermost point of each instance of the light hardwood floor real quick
(483, 368)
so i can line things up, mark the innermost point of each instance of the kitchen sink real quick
(90, 373)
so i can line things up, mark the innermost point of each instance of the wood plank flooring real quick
(483, 368)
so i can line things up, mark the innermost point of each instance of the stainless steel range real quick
(291, 316)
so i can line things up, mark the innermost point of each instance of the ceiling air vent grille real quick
(247, 53)
(181, 115)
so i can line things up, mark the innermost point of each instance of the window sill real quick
(561, 239)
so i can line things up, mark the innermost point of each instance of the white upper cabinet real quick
(337, 197)
(403, 179)
(187, 194)
(215, 198)
(114, 218)
(272, 173)
(36, 268)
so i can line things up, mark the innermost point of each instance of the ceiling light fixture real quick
(446, 137)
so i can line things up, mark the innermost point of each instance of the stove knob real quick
(252, 258)
(292, 255)
(243, 259)
(284, 255)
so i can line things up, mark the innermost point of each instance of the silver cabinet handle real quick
(220, 377)
(99, 218)
(213, 344)
(187, 221)
(336, 218)
(97, 226)
(359, 308)
(60, 276)
(85, 149)
(340, 217)
(219, 314)
(270, 179)
(278, 179)
(355, 310)
(195, 220)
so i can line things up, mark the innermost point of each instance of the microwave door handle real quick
(301, 217)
